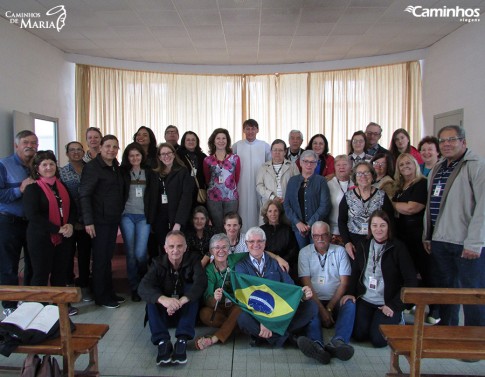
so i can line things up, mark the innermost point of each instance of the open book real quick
(34, 316)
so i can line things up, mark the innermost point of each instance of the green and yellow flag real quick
(272, 303)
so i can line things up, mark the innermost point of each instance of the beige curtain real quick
(336, 103)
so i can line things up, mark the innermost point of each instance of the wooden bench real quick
(70, 345)
(416, 342)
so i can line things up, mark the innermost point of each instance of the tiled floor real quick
(127, 351)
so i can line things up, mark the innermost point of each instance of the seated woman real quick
(280, 239)
(225, 315)
(199, 236)
(382, 267)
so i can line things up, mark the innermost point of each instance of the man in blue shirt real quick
(14, 177)
(306, 319)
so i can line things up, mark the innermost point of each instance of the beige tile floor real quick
(127, 351)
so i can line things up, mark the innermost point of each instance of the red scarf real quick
(54, 213)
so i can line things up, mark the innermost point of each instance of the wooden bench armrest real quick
(58, 295)
(424, 296)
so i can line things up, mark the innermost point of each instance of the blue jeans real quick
(304, 320)
(302, 241)
(183, 320)
(344, 317)
(452, 271)
(135, 231)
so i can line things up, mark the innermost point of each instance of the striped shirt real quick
(438, 187)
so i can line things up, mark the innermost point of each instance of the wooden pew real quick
(416, 342)
(71, 344)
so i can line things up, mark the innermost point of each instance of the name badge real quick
(437, 190)
(221, 179)
(164, 199)
(321, 280)
(138, 192)
(372, 283)
(365, 227)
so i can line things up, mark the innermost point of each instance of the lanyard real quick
(322, 260)
(376, 257)
(341, 189)
(137, 179)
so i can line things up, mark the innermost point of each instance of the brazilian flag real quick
(271, 302)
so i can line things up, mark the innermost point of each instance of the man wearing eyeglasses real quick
(172, 136)
(14, 178)
(454, 230)
(259, 263)
(373, 132)
(325, 268)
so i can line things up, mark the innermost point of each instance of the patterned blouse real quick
(222, 177)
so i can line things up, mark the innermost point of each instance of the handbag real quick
(34, 367)
(201, 193)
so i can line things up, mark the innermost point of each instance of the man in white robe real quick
(253, 153)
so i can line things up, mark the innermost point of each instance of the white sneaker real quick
(8, 311)
(432, 320)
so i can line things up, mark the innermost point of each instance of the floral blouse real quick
(222, 177)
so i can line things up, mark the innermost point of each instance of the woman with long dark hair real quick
(146, 138)
(325, 163)
(141, 187)
(400, 143)
(193, 157)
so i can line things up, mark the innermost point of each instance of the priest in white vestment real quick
(252, 153)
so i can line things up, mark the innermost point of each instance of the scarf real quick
(54, 214)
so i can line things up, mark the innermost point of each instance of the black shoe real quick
(339, 349)
(109, 304)
(313, 350)
(118, 299)
(256, 341)
(72, 311)
(164, 351)
(135, 297)
(179, 355)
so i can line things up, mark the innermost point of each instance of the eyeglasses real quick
(363, 173)
(166, 154)
(219, 248)
(357, 141)
(75, 150)
(369, 133)
(451, 140)
(380, 164)
(253, 242)
(321, 236)
(308, 162)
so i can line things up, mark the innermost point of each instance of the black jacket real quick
(179, 187)
(397, 271)
(102, 192)
(151, 196)
(159, 280)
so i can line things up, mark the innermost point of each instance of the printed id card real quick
(138, 192)
(164, 199)
(372, 283)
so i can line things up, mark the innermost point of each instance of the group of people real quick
(352, 229)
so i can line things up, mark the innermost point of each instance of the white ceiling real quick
(239, 32)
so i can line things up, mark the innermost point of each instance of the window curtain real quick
(336, 103)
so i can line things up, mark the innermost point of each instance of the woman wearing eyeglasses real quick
(307, 198)
(384, 167)
(175, 189)
(357, 148)
(218, 281)
(325, 164)
(358, 204)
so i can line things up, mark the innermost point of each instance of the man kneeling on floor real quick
(259, 263)
(325, 268)
(172, 288)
